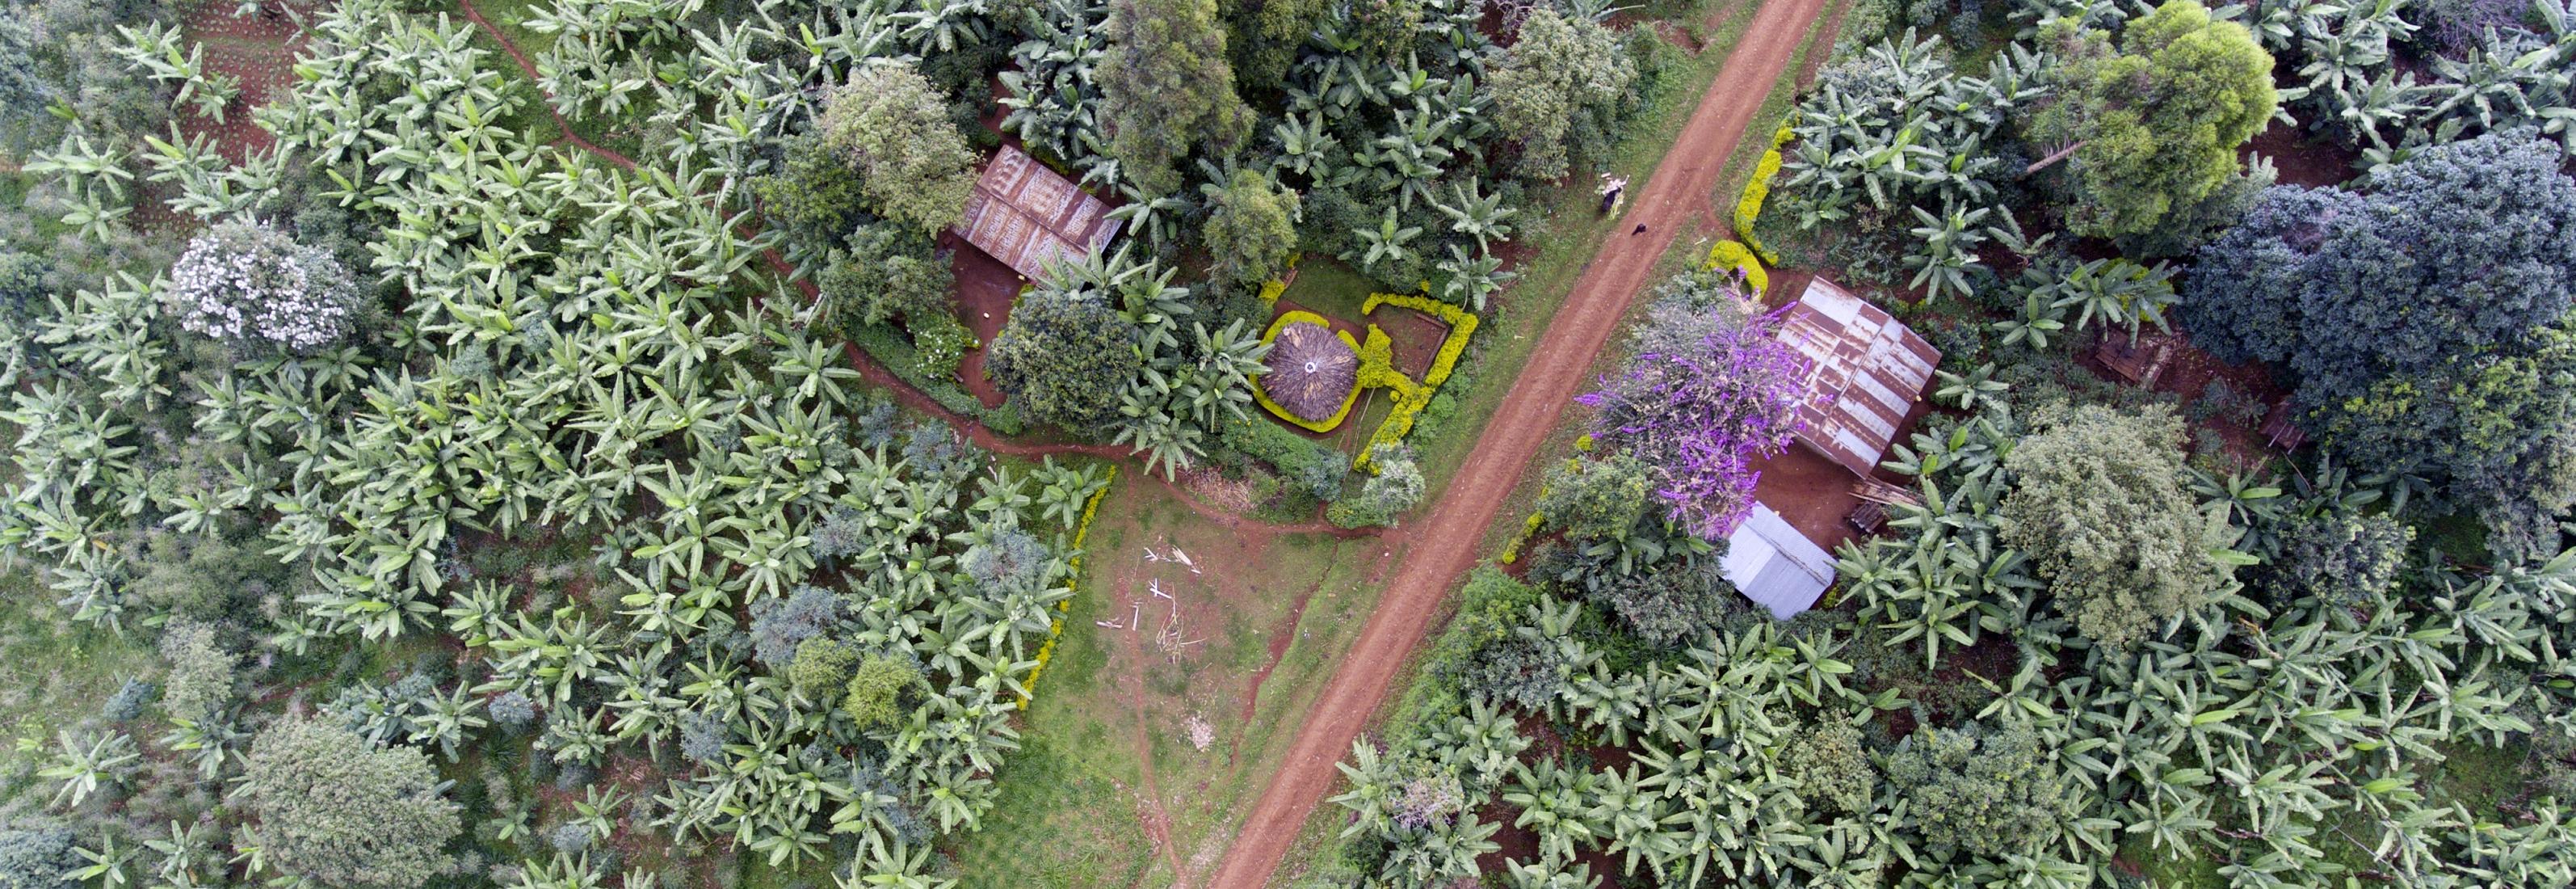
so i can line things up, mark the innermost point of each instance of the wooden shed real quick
(1027, 216)
(1865, 373)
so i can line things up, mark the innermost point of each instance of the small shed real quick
(1865, 373)
(2281, 427)
(1772, 564)
(1026, 216)
(2139, 360)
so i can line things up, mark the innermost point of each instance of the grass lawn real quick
(1109, 764)
(1330, 287)
(54, 673)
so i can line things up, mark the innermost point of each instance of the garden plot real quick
(1188, 645)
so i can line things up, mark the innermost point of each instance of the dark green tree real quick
(1065, 359)
(1251, 230)
(1831, 767)
(821, 669)
(886, 272)
(38, 856)
(874, 695)
(1562, 70)
(2098, 502)
(1166, 89)
(812, 195)
(2340, 559)
(1988, 792)
(913, 162)
(2425, 319)
(1263, 38)
(337, 810)
(1597, 499)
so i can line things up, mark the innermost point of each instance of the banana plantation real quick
(570, 444)
(2185, 566)
(526, 443)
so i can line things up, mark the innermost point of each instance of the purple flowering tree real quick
(1699, 413)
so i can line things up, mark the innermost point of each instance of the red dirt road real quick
(1445, 542)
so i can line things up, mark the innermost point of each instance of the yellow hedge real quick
(1326, 424)
(1462, 324)
(1512, 553)
(1377, 357)
(1410, 397)
(1749, 207)
(1733, 254)
(1055, 628)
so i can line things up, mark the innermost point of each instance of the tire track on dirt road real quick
(1445, 543)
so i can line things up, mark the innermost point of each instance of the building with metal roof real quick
(1865, 373)
(1770, 562)
(1026, 216)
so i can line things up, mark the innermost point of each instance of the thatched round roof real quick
(1311, 370)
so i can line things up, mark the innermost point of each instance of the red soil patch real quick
(1811, 492)
(260, 51)
(1416, 337)
(984, 292)
(2190, 372)
(2302, 158)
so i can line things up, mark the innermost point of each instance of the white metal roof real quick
(1773, 564)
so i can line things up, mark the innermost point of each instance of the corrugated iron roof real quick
(1865, 371)
(1771, 563)
(1025, 215)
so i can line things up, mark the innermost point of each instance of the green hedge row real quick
(1296, 457)
(895, 352)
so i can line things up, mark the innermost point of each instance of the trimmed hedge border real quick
(1749, 207)
(1411, 397)
(1732, 254)
(1055, 628)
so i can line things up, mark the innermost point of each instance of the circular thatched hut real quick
(1311, 371)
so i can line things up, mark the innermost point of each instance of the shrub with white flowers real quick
(247, 284)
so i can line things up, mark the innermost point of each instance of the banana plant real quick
(1948, 253)
(1478, 215)
(1387, 244)
(83, 765)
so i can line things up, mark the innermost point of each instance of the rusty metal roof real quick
(1025, 215)
(1865, 372)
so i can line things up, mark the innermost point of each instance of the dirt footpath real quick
(1445, 543)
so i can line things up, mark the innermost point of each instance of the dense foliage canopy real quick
(2426, 316)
